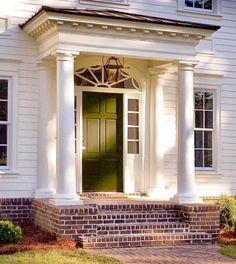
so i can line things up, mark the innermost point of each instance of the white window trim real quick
(216, 154)
(12, 78)
(8, 121)
(215, 13)
(8, 24)
(106, 3)
(213, 130)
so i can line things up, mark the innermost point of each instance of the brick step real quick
(144, 240)
(144, 206)
(138, 217)
(142, 228)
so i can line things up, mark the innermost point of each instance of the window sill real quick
(105, 3)
(8, 174)
(208, 173)
(198, 14)
(3, 34)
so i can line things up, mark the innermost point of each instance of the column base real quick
(158, 193)
(43, 194)
(66, 200)
(186, 198)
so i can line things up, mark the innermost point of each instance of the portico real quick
(65, 38)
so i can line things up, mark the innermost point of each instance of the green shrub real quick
(227, 212)
(9, 232)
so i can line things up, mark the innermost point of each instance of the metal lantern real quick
(112, 69)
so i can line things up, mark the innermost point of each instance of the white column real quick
(66, 174)
(186, 192)
(156, 181)
(47, 133)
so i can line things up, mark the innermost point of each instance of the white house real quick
(162, 124)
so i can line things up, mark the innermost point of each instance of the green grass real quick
(56, 256)
(229, 250)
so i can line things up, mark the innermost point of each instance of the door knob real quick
(84, 145)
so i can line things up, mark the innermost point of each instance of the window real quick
(204, 129)
(208, 8)
(205, 5)
(133, 126)
(4, 123)
(95, 76)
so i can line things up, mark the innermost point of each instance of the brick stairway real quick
(102, 223)
(132, 225)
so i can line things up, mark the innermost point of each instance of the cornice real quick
(48, 21)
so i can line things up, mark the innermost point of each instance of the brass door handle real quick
(84, 145)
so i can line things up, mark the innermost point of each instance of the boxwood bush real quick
(9, 233)
(227, 212)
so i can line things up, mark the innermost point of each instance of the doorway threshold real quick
(109, 195)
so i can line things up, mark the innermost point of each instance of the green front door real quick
(102, 142)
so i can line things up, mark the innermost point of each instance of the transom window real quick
(96, 76)
(204, 129)
(200, 4)
(4, 123)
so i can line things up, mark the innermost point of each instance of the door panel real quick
(110, 136)
(92, 105)
(103, 137)
(92, 137)
(111, 105)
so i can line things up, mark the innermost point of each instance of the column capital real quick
(187, 65)
(65, 55)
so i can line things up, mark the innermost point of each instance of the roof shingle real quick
(119, 15)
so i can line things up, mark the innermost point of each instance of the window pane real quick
(3, 156)
(198, 100)
(207, 139)
(209, 101)
(3, 111)
(3, 134)
(198, 139)
(81, 82)
(198, 158)
(3, 89)
(133, 119)
(208, 4)
(199, 119)
(98, 73)
(189, 3)
(198, 3)
(133, 133)
(133, 147)
(133, 105)
(208, 119)
(207, 158)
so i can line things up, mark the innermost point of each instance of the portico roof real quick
(78, 30)
(120, 16)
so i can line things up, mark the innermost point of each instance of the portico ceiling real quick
(93, 31)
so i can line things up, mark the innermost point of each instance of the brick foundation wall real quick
(66, 222)
(17, 210)
(202, 218)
